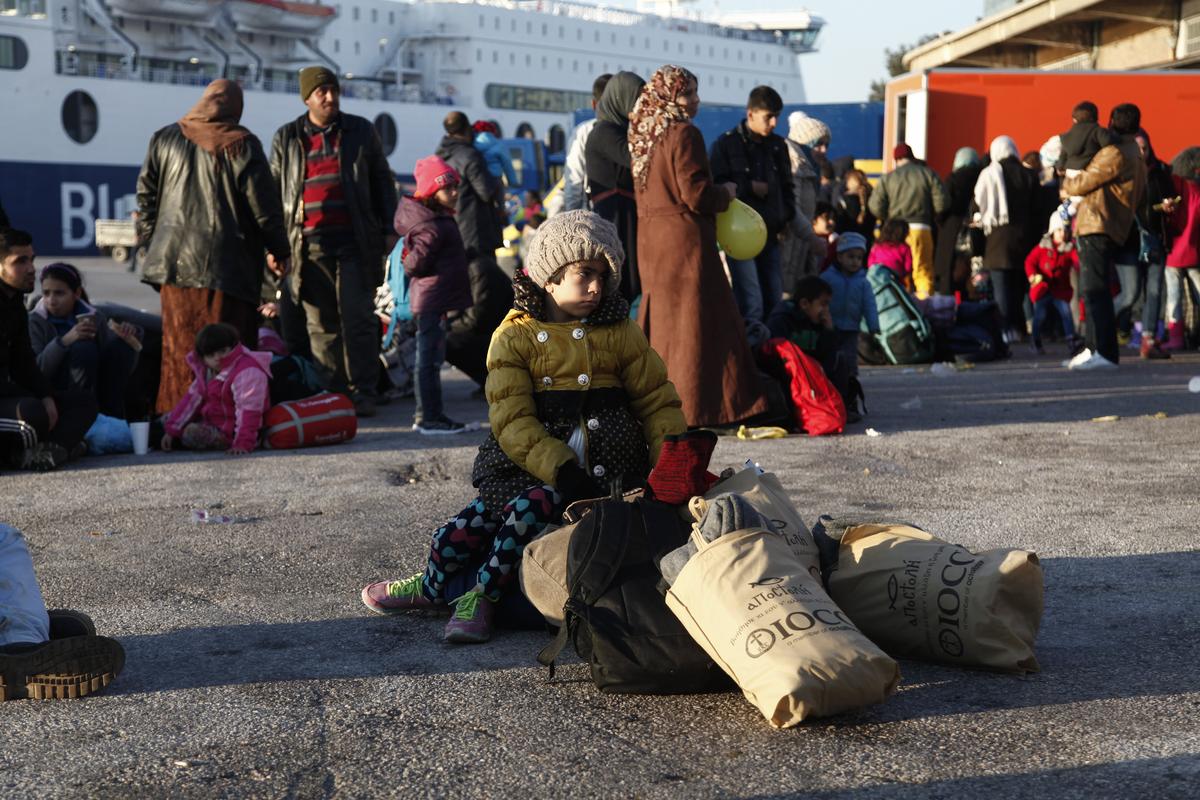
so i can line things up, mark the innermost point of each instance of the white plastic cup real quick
(141, 437)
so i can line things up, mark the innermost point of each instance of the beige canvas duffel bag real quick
(917, 596)
(757, 611)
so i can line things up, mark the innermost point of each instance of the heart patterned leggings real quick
(499, 538)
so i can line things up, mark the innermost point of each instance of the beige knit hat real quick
(805, 130)
(570, 237)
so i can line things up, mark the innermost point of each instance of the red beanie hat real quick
(902, 150)
(483, 126)
(432, 174)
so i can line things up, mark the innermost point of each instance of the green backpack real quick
(905, 336)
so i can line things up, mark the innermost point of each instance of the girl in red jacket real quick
(1049, 267)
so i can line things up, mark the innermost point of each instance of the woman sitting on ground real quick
(77, 348)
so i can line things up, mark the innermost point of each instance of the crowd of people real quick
(623, 330)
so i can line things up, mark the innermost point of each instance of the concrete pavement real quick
(254, 671)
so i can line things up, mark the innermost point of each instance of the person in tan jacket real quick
(1111, 187)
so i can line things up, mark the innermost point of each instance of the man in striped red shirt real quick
(339, 195)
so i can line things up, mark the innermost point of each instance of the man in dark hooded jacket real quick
(480, 191)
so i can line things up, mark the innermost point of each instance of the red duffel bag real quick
(324, 418)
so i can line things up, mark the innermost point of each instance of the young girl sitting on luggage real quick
(435, 261)
(1049, 267)
(852, 305)
(892, 251)
(223, 409)
(578, 404)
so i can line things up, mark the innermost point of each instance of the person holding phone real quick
(77, 348)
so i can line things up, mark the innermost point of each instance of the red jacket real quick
(1053, 265)
(1184, 224)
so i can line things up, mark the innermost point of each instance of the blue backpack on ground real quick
(905, 335)
(397, 282)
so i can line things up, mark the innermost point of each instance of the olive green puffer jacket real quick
(546, 380)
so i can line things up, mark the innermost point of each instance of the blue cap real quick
(851, 240)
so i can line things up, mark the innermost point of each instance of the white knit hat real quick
(570, 237)
(805, 130)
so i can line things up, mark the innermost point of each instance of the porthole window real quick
(13, 53)
(385, 126)
(80, 118)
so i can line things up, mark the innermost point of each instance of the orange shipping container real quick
(939, 111)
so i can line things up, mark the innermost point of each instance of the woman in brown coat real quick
(687, 311)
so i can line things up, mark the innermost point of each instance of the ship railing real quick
(69, 64)
(611, 16)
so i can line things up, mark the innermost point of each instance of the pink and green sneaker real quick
(471, 622)
(394, 597)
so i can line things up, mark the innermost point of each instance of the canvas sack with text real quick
(917, 596)
(754, 607)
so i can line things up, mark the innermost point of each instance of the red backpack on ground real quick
(325, 418)
(818, 406)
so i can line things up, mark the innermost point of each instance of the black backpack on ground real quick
(616, 615)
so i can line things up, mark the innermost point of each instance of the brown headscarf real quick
(655, 112)
(212, 124)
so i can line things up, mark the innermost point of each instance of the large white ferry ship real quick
(84, 83)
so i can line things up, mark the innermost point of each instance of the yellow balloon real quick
(741, 232)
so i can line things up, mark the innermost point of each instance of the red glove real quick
(682, 469)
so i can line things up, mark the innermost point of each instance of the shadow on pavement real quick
(1118, 627)
(1174, 777)
(332, 649)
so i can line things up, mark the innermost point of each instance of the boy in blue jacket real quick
(853, 301)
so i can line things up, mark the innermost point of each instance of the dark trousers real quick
(757, 282)
(467, 350)
(102, 370)
(76, 413)
(1095, 270)
(431, 354)
(293, 327)
(339, 304)
(1007, 290)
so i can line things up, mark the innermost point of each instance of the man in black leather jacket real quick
(339, 195)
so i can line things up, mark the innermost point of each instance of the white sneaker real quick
(1083, 355)
(1097, 361)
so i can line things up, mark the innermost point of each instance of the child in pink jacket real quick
(891, 249)
(224, 407)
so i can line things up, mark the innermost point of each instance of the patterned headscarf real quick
(656, 112)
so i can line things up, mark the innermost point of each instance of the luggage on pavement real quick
(766, 620)
(817, 406)
(905, 336)
(325, 418)
(917, 596)
(615, 614)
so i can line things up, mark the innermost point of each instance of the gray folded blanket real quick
(726, 514)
